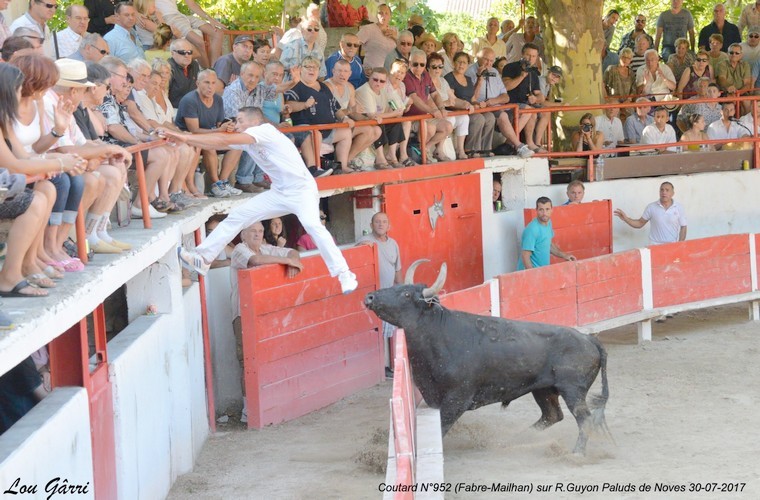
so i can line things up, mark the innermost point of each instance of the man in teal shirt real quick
(537, 239)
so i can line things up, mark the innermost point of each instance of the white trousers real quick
(301, 201)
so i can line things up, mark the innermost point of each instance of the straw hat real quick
(427, 37)
(72, 73)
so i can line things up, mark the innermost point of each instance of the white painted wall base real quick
(51, 441)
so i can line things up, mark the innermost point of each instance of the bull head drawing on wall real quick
(435, 211)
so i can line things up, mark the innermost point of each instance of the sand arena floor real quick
(683, 411)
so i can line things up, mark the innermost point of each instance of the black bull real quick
(463, 361)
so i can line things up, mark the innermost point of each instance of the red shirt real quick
(422, 86)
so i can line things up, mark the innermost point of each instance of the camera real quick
(586, 127)
(525, 65)
(485, 74)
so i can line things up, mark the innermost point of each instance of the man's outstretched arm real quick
(215, 140)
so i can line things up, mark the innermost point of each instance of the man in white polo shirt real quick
(660, 132)
(668, 218)
(293, 191)
(67, 40)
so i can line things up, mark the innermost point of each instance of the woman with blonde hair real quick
(450, 43)
(162, 37)
(682, 59)
(148, 19)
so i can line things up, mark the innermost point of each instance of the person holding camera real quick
(587, 138)
(521, 79)
(491, 92)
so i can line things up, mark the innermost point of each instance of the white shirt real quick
(665, 224)
(278, 157)
(747, 121)
(652, 135)
(371, 102)
(68, 42)
(612, 129)
(658, 86)
(717, 130)
(73, 136)
(26, 21)
(750, 54)
(167, 7)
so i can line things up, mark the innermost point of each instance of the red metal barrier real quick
(584, 230)
(305, 344)
(403, 418)
(695, 270)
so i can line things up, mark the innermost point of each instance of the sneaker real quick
(193, 261)
(348, 281)
(524, 151)
(319, 172)
(188, 201)
(179, 201)
(219, 191)
(154, 214)
(232, 190)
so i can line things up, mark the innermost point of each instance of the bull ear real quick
(409, 278)
(438, 285)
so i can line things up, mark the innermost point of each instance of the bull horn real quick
(409, 278)
(438, 285)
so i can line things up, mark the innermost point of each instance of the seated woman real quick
(312, 103)
(148, 21)
(376, 103)
(695, 131)
(397, 99)
(481, 126)
(460, 123)
(159, 48)
(30, 208)
(587, 138)
(29, 128)
(687, 85)
(361, 137)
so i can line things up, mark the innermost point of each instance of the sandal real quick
(160, 205)
(396, 164)
(72, 265)
(40, 280)
(382, 166)
(22, 285)
(472, 154)
(409, 163)
(199, 195)
(462, 156)
(441, 157)
(53, 273)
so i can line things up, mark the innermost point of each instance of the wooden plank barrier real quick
(475, 300)
(545, 294)
(403, 418)
(305, 345)
(696, 270)
(608, 286)
(584, 230)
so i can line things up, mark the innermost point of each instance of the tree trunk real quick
(573, 40)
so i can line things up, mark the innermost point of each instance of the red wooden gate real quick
(70, 366)
(457, 238)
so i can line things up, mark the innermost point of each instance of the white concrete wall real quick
(159, 395)
(51, 441)
(716, 203)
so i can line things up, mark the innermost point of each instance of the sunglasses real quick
(184, 52)
(754, 36)
(735, 53)
(418, 65)
(378, 80)
(353, 45)
(48, 5)
(700, 59)
(437, 66)
(312, 30)
(102, 51)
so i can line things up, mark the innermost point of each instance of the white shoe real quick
(193, 261)
(219, 190)
(154, 214)
(524, 151)
(348, 282)
(232, 190)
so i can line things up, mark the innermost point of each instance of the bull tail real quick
(599, 401)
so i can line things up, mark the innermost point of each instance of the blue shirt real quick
(537, 239)
(122, 45)
(357, 79)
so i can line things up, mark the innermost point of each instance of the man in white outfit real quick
(293, 191)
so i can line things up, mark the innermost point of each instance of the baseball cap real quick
(556, 70)
(243, 38)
